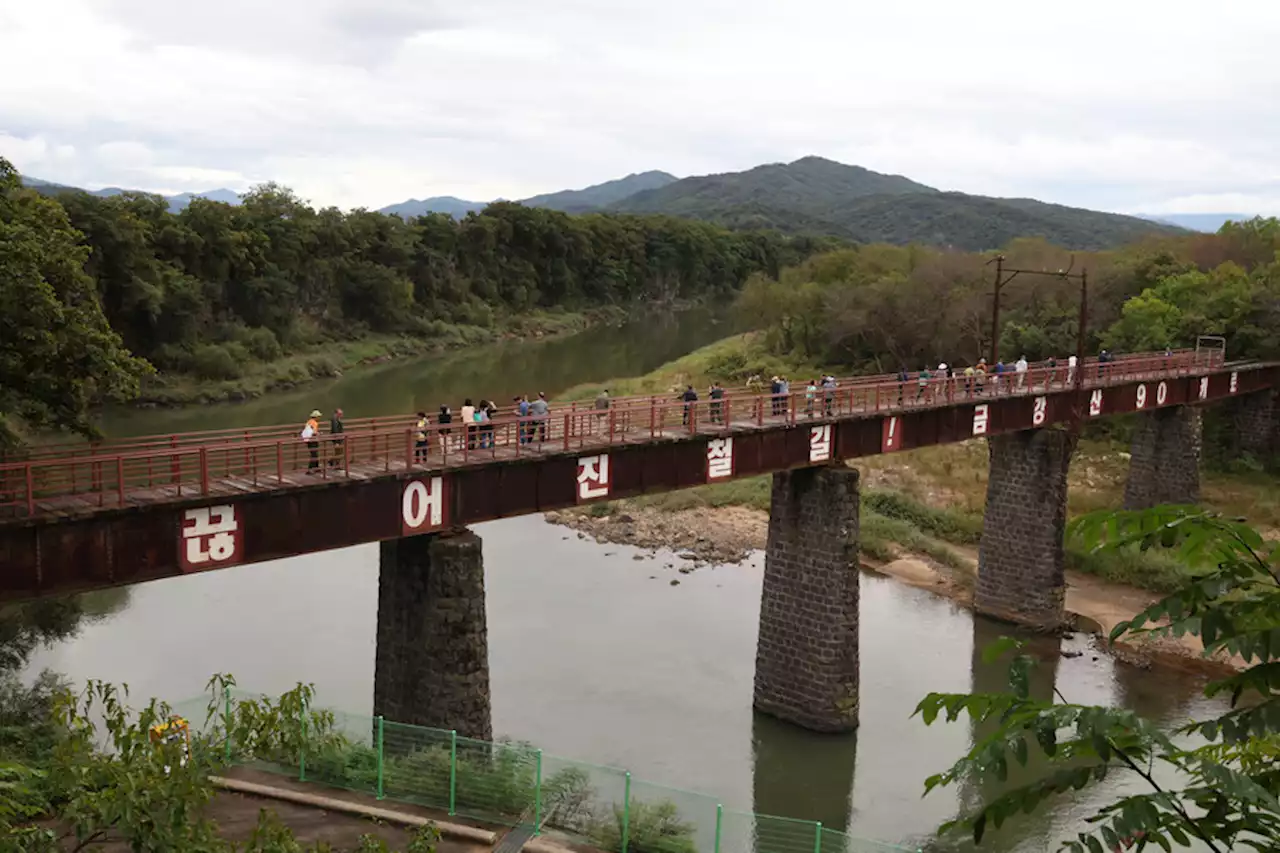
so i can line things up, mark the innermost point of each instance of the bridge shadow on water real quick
(802, 774)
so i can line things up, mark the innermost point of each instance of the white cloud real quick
(365, 102)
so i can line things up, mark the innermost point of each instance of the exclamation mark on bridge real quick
(891, 434)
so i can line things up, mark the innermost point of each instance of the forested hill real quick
(601, 195)
(817, 196)
(274, 274)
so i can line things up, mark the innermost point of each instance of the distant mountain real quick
(181, 200)
(817, 196)
(1198, 221)
(455, 207)
(176, 202)
(808, 185)
(571, 201)
(601, 195)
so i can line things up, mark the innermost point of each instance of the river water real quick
(595, 655)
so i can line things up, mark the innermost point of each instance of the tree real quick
(58, 355)
(149, 794)
(1227, 782)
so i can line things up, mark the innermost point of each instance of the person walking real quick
(690, 398)
(717, 408)
(775, 390)
(336, 428)
(922, 384)
(420, 446)
(1020, 369)
(468, 415)
(311, 435)
(903, 379)
(1071, 369)
(602, 409)
(445, 417)
(980, 376)
(829, 394)
(520, 405)
(539, 409)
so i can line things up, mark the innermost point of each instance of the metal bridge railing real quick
(161, 468)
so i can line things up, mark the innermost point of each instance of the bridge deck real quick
(61, 480)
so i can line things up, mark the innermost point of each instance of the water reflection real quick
(802, 774)
(497, 371)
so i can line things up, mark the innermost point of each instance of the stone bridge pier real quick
(432, 659)
(1020, 557)
(1256, 424)
(807, 653)
(1164, 465)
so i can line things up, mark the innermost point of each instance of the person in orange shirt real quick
(311, 434)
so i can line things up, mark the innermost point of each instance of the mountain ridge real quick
(177, 202)
(820, 196)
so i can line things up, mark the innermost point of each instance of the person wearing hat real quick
(310, 432)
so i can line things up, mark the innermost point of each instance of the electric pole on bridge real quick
(1064, 275)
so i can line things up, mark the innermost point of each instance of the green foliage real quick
(946, 524)
(294, 274)
(1225, 766)
(879, 308)
(215, 361)
(651, 828)
(58, 355)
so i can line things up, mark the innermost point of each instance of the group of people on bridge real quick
(476, 420)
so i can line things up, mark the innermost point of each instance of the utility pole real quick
(1064, 275)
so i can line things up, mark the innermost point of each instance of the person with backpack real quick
(420, 445)
(311, 435)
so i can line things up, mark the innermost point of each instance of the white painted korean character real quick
(719, 458)
(210, 534)
(593, 477)
(820, 443)
(981, 418)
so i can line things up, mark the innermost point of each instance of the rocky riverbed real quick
(726, 535)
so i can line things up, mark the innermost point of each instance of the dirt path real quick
(729, 534)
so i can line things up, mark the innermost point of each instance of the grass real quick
(329, 358)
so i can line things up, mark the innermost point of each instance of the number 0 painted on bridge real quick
(423, 506)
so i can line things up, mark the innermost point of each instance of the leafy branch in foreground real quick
(1227, 790)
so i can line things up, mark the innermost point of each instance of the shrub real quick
(943, 523)
(217, 362)
(320, 366)
(261, 344)
(651, 828)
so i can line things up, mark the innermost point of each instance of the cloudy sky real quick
(1124, 105)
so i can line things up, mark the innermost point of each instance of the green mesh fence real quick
(498, 782)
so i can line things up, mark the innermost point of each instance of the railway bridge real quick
(75, 517)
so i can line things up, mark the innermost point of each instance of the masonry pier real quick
(432, 659)
(807, 654)
(1020, 558)
(1256, 424)
(1164, 464)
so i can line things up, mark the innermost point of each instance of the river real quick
(596, 655)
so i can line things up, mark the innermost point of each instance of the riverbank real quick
(707, 535)
(230, 372)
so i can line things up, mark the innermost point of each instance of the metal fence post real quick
(626, 813)
(302, 748)
(537, 796)
(380, 757)
(719, 822)
(817, 838)
(453, 772)
(226, 704)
